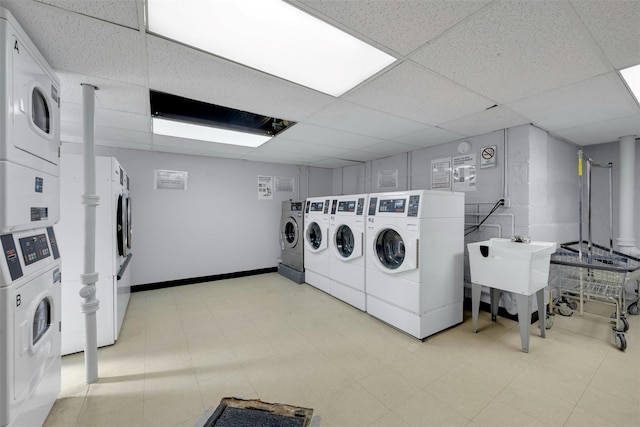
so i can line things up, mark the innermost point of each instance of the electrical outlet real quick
(506, 202)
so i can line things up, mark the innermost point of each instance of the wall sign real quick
(441, 174)
(284, 183)
(388, 179)
(170, 180)
(265, 187)
(488, 157)
(464, 172)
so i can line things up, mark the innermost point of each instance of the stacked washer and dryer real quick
(113, 244)
(30, 363)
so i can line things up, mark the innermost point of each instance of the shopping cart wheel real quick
(621, 341)
(625, 324)
(633, 309)
(563, 309)
(549, 321)
(623, 321)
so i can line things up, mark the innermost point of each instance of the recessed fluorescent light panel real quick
(631, 76)
(270, 36)
(186, 118)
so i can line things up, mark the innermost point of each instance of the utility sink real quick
(517, 267)
(522, 268)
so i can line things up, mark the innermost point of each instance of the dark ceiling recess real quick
(174, 107)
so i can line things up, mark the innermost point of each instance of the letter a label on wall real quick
(488, 157)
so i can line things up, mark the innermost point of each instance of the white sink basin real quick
(522, 268)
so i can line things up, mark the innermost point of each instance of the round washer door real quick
(314, 236)
(345, 242)
(290, 232)
(390, 249)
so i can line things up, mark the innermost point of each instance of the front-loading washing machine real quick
(30, 362)
(113, 255)
(415, 260)
(29, 132)
(291, 241)
(346, 255)
(316, 243)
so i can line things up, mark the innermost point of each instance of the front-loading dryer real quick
(316, 243)
(29, 132)
(415, 260)
(113, 255)
(347, 245)
(30, 362)
(292, 241)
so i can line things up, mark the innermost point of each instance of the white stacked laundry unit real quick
(347, 246)
(113, 243)
(316, 243)
(414, 260)
(30, 363)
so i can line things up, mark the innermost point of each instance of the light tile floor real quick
(183, 349)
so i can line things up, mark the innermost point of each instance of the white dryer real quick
(29, 132)
(316, 243)
(113, 238)
(347, 246)
(30, 363)
(415, 260)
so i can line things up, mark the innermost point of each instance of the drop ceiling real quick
(463, 68)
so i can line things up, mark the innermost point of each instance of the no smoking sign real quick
(488, 157)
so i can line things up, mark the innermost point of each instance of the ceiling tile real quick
(429, 136)
(111, 94)
(290, 145)
(333, 138)
(511, 50)
(486, 121)
(360, 156)
(189, 73)
(597, 133)
(119, 12)
(598, 99)
(400, 25)
(356, 119)
(72, 131)
(332, 163)
(409, 90)
(83, 45)
(276, 156)
(615, 25)
(389, 148)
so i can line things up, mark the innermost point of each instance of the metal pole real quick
(580, 203)
(88, 291)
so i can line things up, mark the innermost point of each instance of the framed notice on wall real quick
(170, 180)
(464, 172)
(441, 174)
(265, 187)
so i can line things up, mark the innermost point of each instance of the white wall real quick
(217, 226)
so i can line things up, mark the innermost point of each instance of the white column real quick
(627, 241)
(88, 291)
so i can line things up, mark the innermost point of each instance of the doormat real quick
(232, 412)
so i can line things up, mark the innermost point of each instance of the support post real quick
(88, 291)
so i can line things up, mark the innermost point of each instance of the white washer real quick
(30, 363)
(316, 243)
(414, 260)
(113, 287)
(347, 246)
(29, 132)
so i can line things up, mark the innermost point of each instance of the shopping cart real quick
(582, 273)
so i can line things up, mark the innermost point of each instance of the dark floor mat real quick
(234, 412)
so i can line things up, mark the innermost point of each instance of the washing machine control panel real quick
(373, 202)
(34, 248)
(295, 206)
(392, 205)
(23, 250)
(414, 205)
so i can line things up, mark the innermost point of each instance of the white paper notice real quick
(265, 187)
(488, 157)
(388, 179)
(284, 183)
(464, 172)
(441, 174)
(170, 180)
